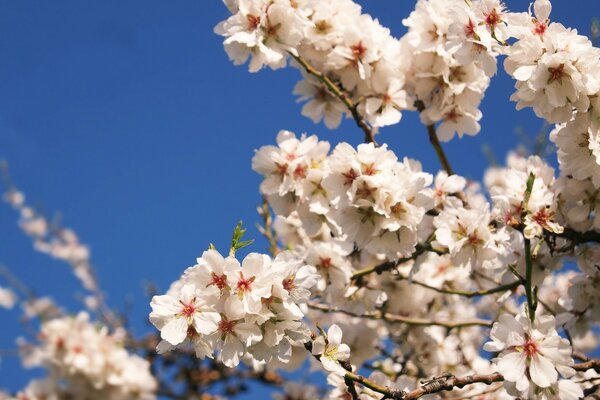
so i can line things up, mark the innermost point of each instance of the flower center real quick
(369, 169)
(226, 326)
(358, 50)
(350, 176)
(300, 171)
(244, 284)
(288, 284)
(540, 28)
(325, 263)
(218, 281)
(557, 74)
(530, 348)
(188, 310)
(493, 18)
(253, 21)
(470, 29)
(542, 217)
(281, 168)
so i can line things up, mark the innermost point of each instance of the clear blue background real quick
(128, 118)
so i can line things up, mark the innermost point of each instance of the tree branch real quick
(267, 229)
(386, 266)
(335, 90)
(531, 302)
(394, 318)
(467, 293)
(449, 383)
(435, 142)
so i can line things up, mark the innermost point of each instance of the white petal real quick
(334, 335)
(206, 322)
(542, 371)
(512, 366)
(175, 331)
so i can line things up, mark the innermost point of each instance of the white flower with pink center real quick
(529, 352)
(331, 350)
(176, 315)
(249, 285)
(232, 338)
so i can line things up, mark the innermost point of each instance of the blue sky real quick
(129, 120)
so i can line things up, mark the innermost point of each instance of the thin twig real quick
(435, 142)
(467, 293)
(394, 318)
(451, 383)
(529, 291)
(343, 97)
(386, 266)
(267, 229)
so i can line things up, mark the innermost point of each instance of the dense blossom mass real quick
(396, 282)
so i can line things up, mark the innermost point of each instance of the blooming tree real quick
(395, 282)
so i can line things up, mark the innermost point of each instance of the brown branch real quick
(466, 293)
(435, 142)
(449, 383)
(335, 90)
(386, 266)
(394, 318)
(591, 364)
(267, 229)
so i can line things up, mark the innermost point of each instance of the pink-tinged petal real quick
(231, 351)
(343, 352)
(234, 308)
(524, 73)
(569, 390)
(163, 347)
(493, 346)
(248, 333)
(206, 322)
(332, 366)
(318, 346)
(542, 371)
(454, 184)
(187, 294)
(334, 335)
(512, 366)
(202, 348)
(214, 260)
(542, 9)
(165, 305)
(175, 331)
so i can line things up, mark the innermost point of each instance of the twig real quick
(584, 366)
(531, 302)
(452, 382)
(435, 142)
(267, 229)
(394, 318)
(466, 293)
(420, 249)
(343, 97)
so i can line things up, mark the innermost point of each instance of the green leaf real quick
(236, 239)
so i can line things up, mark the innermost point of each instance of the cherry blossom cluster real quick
(349, 47)
(443, 234)
(58, 242)
(452, 48)
(84, 360)
(532, 356)
(376, 263)
(442, 66)
(376, 200)
(557, 70)
(248, 311)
